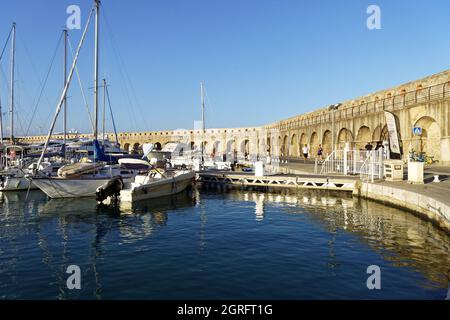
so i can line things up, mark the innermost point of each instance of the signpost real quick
(417, 131)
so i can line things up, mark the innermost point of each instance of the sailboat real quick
(12, 163)
(81, 179)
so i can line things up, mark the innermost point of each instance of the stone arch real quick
(285, 147)
(327, 142)
(126, 146)
(268, 146)
(430, 140)
(204, 144)
(192, 145)
(363, 137)
(136, 147)
(158, 146)
(245, 148)
(216, 149)
(303, 140)
(293, 148)
(344, 136)
(314, 144)
(380, 133)
(231, 150)
(384, 134)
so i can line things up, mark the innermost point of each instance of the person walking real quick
(320, 152)
(368, 148)
(305, 151)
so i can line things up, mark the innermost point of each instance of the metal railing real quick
(389, 103)
(362, 162)
(373, 167)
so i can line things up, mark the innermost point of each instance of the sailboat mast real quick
(203, 118)
(1, 124)
(97, 20)
(104, 111)
(65, 96)
(13, 56)
(64, 93)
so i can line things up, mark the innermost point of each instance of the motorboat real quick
(154, 184)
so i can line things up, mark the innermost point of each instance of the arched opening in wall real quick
(279, 147)
(192, 145)
(384, 134)
(268, 146)
(231, 151)
(314, 144)
(380, 134)
(136, 148)
(126, 147)
(327, 143)
(205, 147)
(258, 148)
(245, 149)
(216, 152)
(293, 148)
(363, 137)
(345, 136)
(303, 141)
(285, 147)
(376, 134)
(158, 146)
(430, 140)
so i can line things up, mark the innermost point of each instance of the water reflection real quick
(55, 233)
(399, 236)
(53, 222)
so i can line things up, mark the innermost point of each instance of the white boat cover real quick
(79, 168)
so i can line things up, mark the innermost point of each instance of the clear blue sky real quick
(261, 60)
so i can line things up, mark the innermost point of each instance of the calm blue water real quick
(206, 245)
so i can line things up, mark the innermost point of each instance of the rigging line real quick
(18, 116)
(81, 86)
(36, 73)
(122, 64)
(112, 115)
(5, 78)
(6, 43)
(44, 84)
(124, 87)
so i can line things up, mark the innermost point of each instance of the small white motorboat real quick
(156, 183)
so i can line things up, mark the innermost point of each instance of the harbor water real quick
(219, 245)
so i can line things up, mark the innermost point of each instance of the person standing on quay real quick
(305, 150)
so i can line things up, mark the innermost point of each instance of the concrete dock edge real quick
(423, 205)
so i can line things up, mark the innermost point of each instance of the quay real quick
(431, 201)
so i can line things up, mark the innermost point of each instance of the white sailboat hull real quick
(158, 188)
(70, 188)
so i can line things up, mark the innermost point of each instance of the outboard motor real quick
(110, 189)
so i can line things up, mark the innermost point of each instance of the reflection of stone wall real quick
(424, 102)
(397, 235)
